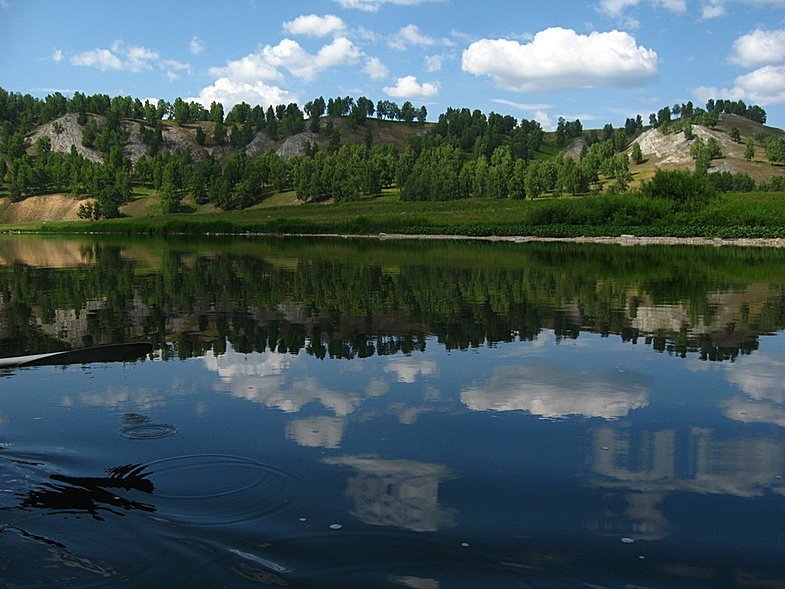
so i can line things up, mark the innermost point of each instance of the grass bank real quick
(729, 216)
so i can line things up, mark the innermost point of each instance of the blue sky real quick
(600, 60)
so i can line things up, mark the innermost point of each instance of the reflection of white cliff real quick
(647, 461)
(261, 378)
(557, 392)
(399, 493)
(316, 432)
(645, 467)
(71, 325)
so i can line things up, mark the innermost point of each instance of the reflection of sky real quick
(761, 376)
(553, 391)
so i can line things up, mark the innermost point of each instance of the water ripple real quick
(219, 489)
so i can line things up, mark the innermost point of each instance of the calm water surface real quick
(332, 413)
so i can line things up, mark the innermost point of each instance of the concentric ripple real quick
(148, 431)
(219, 489)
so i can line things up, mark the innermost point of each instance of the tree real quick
(219, 133)
(749, 151)
(216, 112)
(735, 135)
(637, 154)
(200, 136)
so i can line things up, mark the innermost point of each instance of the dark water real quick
(335, 413)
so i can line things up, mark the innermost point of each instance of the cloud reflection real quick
(762, 378)
(553, 392)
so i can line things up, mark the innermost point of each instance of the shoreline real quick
(626, 240)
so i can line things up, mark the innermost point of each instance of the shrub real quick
(687, 190)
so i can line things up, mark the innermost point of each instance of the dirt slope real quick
(50, 207)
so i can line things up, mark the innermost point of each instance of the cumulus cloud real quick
(375, 69)
(561, 59)
(57, 55)
(409, 36)
(759, 48)
(375, 5)
(290, 55)
(231, 92)
(312, 25)
(763, 86)
(409, 87)
(252, 68)
(196, 46)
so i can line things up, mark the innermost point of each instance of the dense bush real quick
(688, 191)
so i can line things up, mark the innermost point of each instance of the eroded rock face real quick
(296, 145)
(70, 133)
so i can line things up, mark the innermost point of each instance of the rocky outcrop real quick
(296, 145)
(63, 133)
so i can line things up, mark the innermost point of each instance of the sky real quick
(597, 60)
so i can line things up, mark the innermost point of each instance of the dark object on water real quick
(110, 353)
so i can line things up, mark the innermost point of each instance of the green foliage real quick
(686, 190)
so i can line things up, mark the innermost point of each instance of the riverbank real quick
(620, 218)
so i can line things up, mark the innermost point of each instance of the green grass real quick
(738, 215)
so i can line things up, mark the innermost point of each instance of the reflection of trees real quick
(355, 299)
(91, 495)
(399, 493)
(645, 466)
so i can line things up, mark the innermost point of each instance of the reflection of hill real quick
(340, 298)
(399, 493)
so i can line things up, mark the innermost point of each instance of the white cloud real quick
(409, 36)
(759, 48)
(408, 87)
(123, 58)
(251, 68)
(545, 120)
(713, 9)
(57, 55)
(615, 8)
(139, 58)
(560, 59)
(229, 93)
(523, 105)
(375, 69)
(763, 86)
(290, 55)
(196, 46)
(313, 25)
(101, 59)
(717, 8)
(375, 5)
(434, 63)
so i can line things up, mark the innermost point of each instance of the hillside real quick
(141, 161)
(65, 131)
(672, 151)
